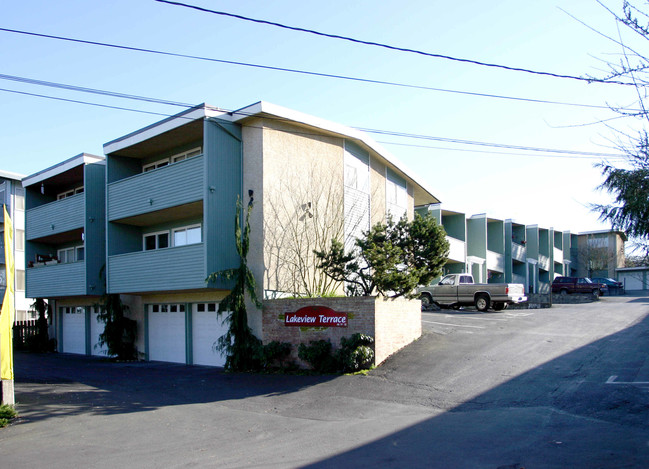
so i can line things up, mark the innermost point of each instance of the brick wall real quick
(393, 323)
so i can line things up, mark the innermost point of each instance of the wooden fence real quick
(23, 330)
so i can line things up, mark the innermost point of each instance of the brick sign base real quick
(393, 323)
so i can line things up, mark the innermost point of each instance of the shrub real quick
(318, 355)
(7, 413)
(276, 354)
(356, 352)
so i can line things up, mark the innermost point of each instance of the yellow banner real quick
(8, 307)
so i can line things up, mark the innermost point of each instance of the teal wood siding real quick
(170, 186)
(95, 231)
(177, 268)
(223, 167)
(121, 167)
(477, 237)
(56, 217)
(57, 280)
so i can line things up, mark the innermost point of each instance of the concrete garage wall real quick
(393, 323)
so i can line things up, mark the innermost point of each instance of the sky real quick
(548, 189)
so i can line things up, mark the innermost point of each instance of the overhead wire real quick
(302, 72)
(395, 48)
(554, 152)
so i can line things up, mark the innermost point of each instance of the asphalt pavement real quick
(553, 388)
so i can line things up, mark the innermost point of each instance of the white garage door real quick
(96, 328)
(632, 280)
(167, 333)
(206, 330)
(73, 329)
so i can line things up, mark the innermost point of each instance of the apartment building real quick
(65, 247)
(168, 219)
(12, 197)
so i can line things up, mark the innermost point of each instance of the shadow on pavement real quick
(53, 385)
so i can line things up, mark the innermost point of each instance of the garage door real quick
(206, 330)
(167, 332)
(632, 280)
(73, 329)
(96, 328)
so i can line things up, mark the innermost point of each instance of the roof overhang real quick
(67, 165)
(10, 175)
(422, 194)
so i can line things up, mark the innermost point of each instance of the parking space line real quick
(453, 325)
(613, 378)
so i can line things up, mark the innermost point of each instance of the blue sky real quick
(552, 192)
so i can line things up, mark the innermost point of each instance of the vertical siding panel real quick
(223, 169)
(95, 230)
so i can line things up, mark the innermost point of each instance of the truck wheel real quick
(426, 301)
(499, 306)
(597, 293)
(482, 303)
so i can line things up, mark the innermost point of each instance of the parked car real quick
(457, 290)
(565, 285)
(614, 287)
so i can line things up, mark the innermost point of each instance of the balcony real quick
(495, 261)
(56, 280)
(558, 256)
(519, 252)
(176, 268)
(177, 184)
(544, 262)
(55, 217)
(457, 251)
(516, 278)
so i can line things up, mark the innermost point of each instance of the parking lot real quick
(551, 388)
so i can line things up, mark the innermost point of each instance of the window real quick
(20, 280)
(69, 193)
(72, 254)
(187, 235)
(177, 308)
(186, 155)
(81, 253)
(19, 192)
(20, 240)
(159, 240)
(209, 307)
(155, 165)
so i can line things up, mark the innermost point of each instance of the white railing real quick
(495, 261)
(457, 250)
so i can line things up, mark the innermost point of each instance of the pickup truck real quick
(565, 285)
(456, 290)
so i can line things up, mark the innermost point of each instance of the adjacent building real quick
(65, 247)
(12, 197)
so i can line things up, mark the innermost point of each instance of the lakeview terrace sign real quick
(315, 316)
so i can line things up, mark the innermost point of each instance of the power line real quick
(556, 152)
(302, 72)
(395, 48)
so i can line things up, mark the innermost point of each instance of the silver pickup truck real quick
(456, 290)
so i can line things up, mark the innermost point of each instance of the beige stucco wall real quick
(287, 166)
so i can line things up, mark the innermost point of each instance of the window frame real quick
(155, 165)
(185, 155)
(157, 243)
(186, 228)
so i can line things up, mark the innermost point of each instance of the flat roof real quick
(10, 175)
(78, 160)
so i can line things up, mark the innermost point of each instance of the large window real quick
(187, 235)
(174, 159)
(20, 280)
(180, 236)
(19, 242)
(71, 254)
(19, 193)
(186, 155)
(155, 165)
(158, 240)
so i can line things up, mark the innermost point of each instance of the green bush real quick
(276, 354)
(356, 352)
(318, 355)
(7, 413)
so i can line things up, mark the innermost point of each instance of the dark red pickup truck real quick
(564, 285)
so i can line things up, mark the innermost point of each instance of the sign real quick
(315, 316)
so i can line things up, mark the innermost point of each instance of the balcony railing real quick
(176, 268)
(558, 255)
(544, 262)
(518, 252)
(177, 184)
(56, 280)
(457, 249)
(55, 217)
(495, 261)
